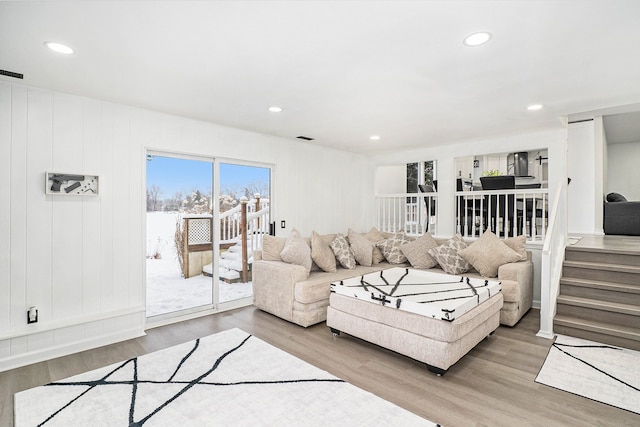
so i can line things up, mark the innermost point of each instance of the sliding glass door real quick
(205, 218)
(244, 218)
(179, 233)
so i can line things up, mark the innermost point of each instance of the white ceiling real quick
(622, 128)
(341, 70)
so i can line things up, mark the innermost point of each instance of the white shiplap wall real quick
(81, 259)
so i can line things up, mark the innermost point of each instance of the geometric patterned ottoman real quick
(431, 317)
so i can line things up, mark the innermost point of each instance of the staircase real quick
(600, 296)
(230, 265)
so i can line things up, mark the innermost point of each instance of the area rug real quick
(228, 379)
(600, 372)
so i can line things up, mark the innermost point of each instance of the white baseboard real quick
(66, 349)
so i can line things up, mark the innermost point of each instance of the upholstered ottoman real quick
(434, 318)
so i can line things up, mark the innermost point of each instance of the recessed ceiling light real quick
(374, 137)
(477, 39)
(275, 109)
(534, 107)
(59, 47)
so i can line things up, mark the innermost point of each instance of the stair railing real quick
(253, 225)
(551, 262)
(230, 220)
(407, 212)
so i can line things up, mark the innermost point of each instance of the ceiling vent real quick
(11, 74)
(306, 138)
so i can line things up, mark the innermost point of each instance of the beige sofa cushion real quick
(518, 244)
(488, 253)
(322, 254)
(271, 247)
(361, 248)
(416, 252)
(374, 236)
(297, 251)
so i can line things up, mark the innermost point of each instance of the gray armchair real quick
(621, 217)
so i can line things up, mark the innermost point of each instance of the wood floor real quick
(491, 386)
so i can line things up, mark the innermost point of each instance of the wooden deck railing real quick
(246, 224)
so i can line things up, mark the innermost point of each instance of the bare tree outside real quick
(154, 203)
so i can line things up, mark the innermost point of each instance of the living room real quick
(81, 260)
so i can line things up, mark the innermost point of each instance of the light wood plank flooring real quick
(492, 386)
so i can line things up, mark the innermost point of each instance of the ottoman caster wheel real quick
(335, 332)
(438, 371)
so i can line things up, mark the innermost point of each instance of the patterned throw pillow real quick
(448, 257)
(488, 253)
(322, 254)
(297, 251)
(342, 251)
(390, 248)
(361, 248)
(374, 236)
(416, 251)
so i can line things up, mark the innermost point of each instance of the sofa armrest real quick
(622, 218)
(257, 255)
(521, 272)
(274, 284)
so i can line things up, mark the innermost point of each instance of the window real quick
(420, 173)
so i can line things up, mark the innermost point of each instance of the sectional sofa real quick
(297, 290)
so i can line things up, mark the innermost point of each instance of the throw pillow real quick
(342, 251)
(488, 253)
(361, 248)
(416, 251)
(518, 245)
(374, 236)
(271, 247)
(322, 254)
(390, 248)
(616, 197)
(448, 257)
(297, 251)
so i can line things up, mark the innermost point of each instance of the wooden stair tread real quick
(621, 268)
(616, 251)
(599, 327)
(598, 284)
(615, 307)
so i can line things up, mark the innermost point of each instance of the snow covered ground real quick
(167, 291)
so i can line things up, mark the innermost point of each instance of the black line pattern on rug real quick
(557, 346)
(364, 284)
(135, 381)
